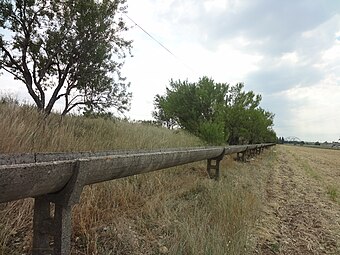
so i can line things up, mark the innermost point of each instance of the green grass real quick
(333, 193)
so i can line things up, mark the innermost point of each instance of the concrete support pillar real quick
(214, 164)
(52, 234)
(42, 225)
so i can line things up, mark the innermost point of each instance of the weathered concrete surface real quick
(22, 158)
(39, 157)
(43, 173)
(26, 158)
(34, 179)
(31, 180)
(113, 167)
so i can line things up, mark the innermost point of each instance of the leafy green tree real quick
(216, 112)
(68, 51)
(196, 107)
(240, 113)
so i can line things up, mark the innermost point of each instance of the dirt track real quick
(302, 203)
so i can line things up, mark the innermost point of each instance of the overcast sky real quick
(288, 51)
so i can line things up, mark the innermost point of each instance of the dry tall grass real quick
(177, 211)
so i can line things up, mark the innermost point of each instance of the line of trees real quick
(281, 140)
(216, 112)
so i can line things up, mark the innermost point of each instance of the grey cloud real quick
(285, 110)
(273, 27)
(279, 78)
(274, 21)
(258, 18)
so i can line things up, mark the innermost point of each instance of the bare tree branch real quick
(67, 110)
(12, 73)
(56, 91)
(13, 61)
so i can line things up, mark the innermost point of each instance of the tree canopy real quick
(70, 51)
(216, 112)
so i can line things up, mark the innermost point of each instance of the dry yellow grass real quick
(177, 211)
(23, 129)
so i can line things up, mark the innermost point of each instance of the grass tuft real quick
(333, 193)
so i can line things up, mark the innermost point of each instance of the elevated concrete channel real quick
(58, 178)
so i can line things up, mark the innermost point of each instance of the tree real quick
(240, 113)
(216, 112)
(69, 51)
(195, 107)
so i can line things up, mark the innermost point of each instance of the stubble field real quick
(301, 212)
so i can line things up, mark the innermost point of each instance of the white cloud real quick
(290, 57)
(12, 87)
(330, 60)
(315, 115)
(216, 5)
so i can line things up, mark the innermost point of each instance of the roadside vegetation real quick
(177, 211)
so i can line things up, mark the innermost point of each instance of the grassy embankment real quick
(177, 211)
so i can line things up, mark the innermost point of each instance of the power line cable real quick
(161, 44)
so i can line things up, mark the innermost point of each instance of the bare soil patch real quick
(301, 207)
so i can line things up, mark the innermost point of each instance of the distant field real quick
(321, 146)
